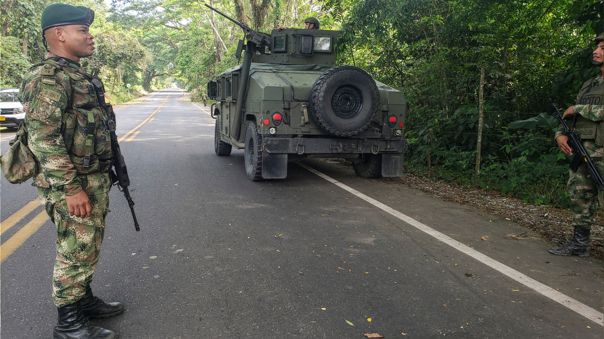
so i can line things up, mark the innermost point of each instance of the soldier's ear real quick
(58, 33)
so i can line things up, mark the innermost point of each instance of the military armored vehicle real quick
(288, 100)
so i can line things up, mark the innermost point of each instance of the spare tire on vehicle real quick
(344, 100)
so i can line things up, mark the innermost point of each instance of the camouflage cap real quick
(312, 20)
(62, 14)
(599, 38)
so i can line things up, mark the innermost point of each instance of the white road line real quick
(571, 303)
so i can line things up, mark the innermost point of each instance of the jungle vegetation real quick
(479, 74)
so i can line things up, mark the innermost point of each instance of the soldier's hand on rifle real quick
(569, 112)
(79, 205)
(562, 141)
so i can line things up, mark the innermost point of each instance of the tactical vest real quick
(591, 93)
(86, 125)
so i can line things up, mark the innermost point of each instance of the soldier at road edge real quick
(69, 134)
(589, 114)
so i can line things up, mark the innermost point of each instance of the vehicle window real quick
(322, 44)
(279, 43)
(8, 96)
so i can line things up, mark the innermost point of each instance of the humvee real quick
(288, 100)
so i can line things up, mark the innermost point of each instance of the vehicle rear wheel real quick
(368, 166)
(253, 152)
(221, 148)
(344, 100)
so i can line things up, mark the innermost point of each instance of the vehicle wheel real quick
(253, 152)
(220, 147)
(368, 166)
(344, 100)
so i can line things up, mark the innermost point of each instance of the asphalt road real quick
(219, 256)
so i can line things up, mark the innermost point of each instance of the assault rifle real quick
(119, 172)
(260, 39)
(580, 153)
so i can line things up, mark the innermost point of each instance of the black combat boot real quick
(73, 324)
(578, 245)
(95, 308)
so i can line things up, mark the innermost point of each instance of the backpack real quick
(19, 163)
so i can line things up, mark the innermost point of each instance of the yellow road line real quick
(132, 136)
(127, 135)
(11, 221)
(9, 246)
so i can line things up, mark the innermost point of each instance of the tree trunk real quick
(240, 11)
(217, 38)
(148, 78)
(25, 47)
(480, 121)
(259, 12)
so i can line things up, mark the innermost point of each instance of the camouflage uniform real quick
(69, 133)
(590, 125)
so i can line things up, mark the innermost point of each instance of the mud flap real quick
(274, 166)
(392, 165)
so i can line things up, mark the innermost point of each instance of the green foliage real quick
(13, 64)
(539, 181)
(432, 50)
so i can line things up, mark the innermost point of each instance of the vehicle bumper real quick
(301, 146)
(8, 121)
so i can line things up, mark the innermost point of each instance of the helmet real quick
(599, 38)
(314, 21)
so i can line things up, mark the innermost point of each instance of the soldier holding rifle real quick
(588, 117)
(72, 136)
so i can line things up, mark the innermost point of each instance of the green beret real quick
(62, 14)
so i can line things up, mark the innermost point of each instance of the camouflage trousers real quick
(584, 195)
(78, 239)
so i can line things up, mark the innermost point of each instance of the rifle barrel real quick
(242, 25)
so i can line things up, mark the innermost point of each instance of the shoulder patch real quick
(48, 81)
(48, 70)
(47, 104)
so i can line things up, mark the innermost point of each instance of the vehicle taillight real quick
(277, 118)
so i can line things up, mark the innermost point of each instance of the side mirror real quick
(212, 90)
(306, 44)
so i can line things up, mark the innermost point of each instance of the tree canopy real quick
(528, 52)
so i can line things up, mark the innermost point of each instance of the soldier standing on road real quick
(311, 23)
(589, 115)
(69, 133)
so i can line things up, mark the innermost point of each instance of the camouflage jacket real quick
(589, 110)
(69, 131)
(590, 100)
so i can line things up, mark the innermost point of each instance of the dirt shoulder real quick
(551, 223)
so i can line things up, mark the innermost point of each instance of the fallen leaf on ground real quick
(484, 238)
(349, 322)
(373, 335)
(369, 319)
(469, 275)
(512, 237)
